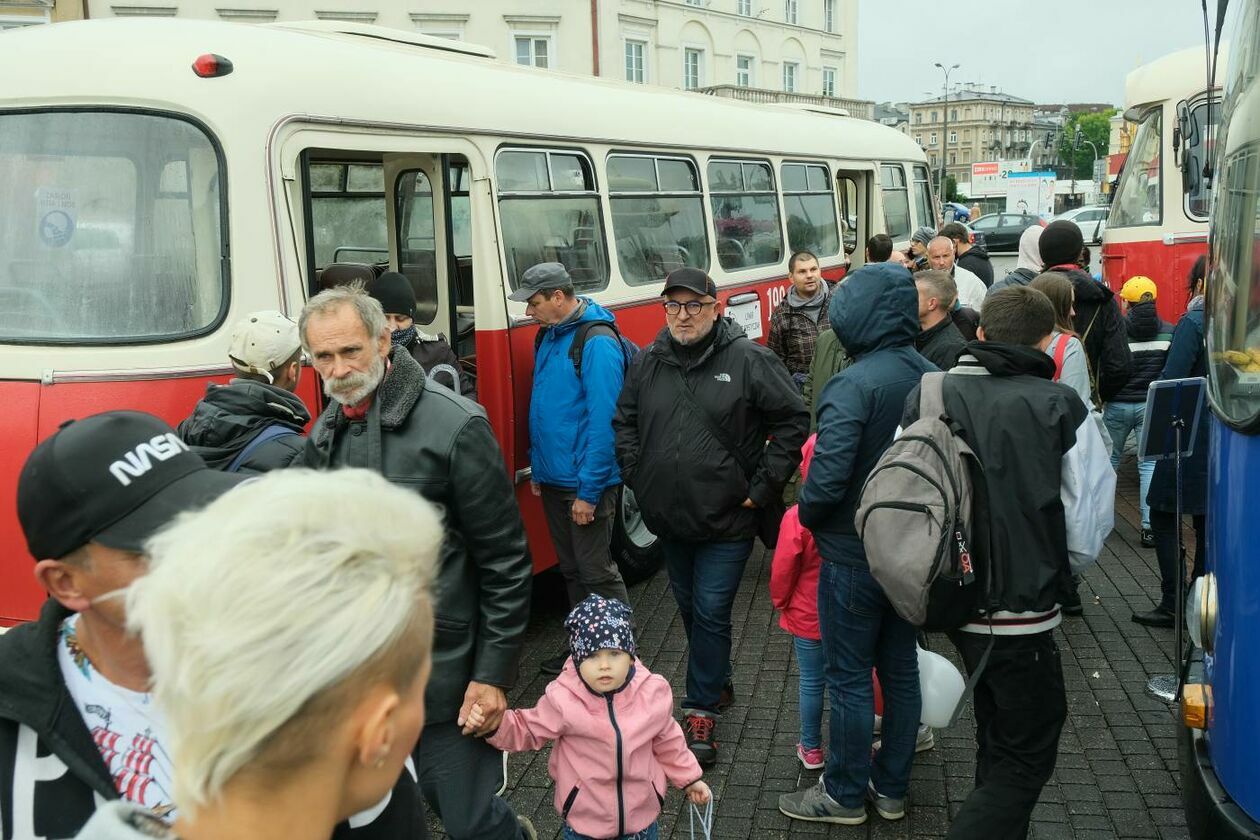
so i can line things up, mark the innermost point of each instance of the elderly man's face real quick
(548, 307)
(351, 362)
(684, 326)
(941, 253)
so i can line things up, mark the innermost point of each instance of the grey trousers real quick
(458, 777)
(583, 550)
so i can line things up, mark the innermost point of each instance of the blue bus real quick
(1220, 738)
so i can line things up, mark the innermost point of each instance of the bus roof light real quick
(211, 66)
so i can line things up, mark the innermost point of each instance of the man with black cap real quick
(76, 725)
(255, 422)
(1099, 324)
(434, 354)
(692, 426)
(579, 368)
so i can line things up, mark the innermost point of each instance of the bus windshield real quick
(110, 228)
(1138, 201)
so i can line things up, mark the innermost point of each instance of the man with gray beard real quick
(386, 415)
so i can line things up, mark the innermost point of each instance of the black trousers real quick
(1164, 528)
(1020, 709)
(583, 551)
(458, 777)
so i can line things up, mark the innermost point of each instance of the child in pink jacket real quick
(616, 741)
(794, 592)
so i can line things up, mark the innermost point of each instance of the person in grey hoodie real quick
(1028, 265)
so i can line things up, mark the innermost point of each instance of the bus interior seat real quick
(343, 274)
(420, 269)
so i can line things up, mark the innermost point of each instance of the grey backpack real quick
(914, 518)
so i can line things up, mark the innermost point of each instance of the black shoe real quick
(727, 698)
(1072, 603)
(554, 665)
(1158, 617)
(698, 727)
(1148, 539)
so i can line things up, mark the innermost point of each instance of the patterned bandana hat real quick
(599, 623)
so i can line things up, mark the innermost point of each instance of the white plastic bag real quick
(940, 686)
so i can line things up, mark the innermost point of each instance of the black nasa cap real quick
(115, 478)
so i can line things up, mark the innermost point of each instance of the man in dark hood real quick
(1098, 321)
(874, 314)
(255, 422)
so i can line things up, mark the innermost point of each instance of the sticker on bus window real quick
(745, 310)
(56, 214)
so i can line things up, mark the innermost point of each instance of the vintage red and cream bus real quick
(162, 179)
(1158, 224)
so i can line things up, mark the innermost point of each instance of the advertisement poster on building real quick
(988, 179)
(1030, 192)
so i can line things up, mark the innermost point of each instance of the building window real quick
(790, 11)
(829, 15)
(745, 8)
(918, 119)
(918, 138)
(695, 3)
(953, 113)
(932, 139)
(744, 74)
(933, 116)
(635, 68)
(829, 81)
(953, 137)
(533, 51)
(953, 158)
(790, 69)
(693, 68)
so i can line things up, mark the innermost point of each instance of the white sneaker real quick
(924, 740)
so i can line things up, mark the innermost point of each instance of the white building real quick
(803, 48)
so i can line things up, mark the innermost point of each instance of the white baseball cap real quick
(263, 341)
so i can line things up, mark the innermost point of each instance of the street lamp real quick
(945, 130)
(1081, 138)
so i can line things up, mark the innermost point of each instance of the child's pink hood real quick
(628, 738)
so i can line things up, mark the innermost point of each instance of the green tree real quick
(1095, 128)
(951, 190)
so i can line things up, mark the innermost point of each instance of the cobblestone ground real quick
(1117, 768)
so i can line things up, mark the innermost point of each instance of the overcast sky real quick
(1058, 51)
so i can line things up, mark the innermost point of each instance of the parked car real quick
(1091, 220)
(1002, 230)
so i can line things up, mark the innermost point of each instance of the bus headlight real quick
(1201, 613)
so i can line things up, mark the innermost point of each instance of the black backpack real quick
(584, 329)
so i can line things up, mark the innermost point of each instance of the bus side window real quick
(417, 242)
(550, 212)
(896, 202)
(847, 189)
(657, 216)
(810, 206)
(745, 213)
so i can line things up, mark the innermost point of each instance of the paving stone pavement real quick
(1117, 769)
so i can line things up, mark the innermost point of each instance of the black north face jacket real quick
(52, 776)
(687, 484)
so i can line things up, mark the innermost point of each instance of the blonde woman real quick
(288, 636)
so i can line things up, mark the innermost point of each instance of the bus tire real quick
(636, 550)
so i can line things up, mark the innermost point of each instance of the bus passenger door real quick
(853, 191)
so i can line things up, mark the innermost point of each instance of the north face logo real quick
(722, 377)
(139, 461)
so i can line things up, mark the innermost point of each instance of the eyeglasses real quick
(693, 307)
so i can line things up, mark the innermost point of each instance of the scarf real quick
(403, 338)
(811, 307)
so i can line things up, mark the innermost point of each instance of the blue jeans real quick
(705, 578)
(1123, 419)
(649, 833)
(861, 631)
(809, 658)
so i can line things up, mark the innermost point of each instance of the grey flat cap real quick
(551, 275)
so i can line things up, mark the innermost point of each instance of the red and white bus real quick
(1158, 224)
(164, 178)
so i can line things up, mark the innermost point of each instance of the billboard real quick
(989, 179)
(1030, 192)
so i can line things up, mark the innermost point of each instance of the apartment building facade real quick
(983, 125)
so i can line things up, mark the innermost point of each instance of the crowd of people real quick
(255, 632)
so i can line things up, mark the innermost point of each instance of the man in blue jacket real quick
(874, 314)
(570, 432)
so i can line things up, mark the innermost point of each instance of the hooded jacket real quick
(687, 484)
(976, 260)
(874, 314)
(1027, 264)
(422, 436)
(1102, 330)
(1149, 340)
(794, 571)
(570, 419)
(1046, 495)
(829, 359)
(52, 776)
(230, 416)
(437, 357)
(614, 752)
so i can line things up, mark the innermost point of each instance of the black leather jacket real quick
(420, 435)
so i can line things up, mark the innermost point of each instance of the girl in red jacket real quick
(794, 592)
(617, 744)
